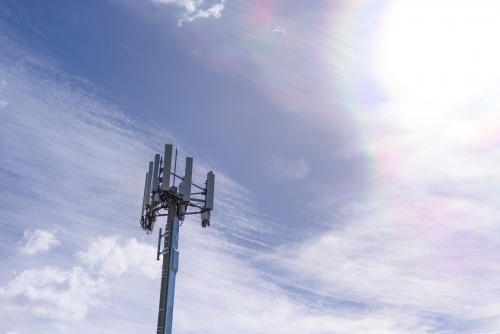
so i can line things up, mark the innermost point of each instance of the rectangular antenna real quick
(148, 191)
(156, 167)
(145, 194)
(154, 182)
(188, 176)
(209, 197)
(167, 167)
(159, 244)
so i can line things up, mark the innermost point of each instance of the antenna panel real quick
(148, 191)
(145, 193)
(156, 167)
(154, 182)
(159, 244)
(188, 176)
(167, 167)
(209, 197)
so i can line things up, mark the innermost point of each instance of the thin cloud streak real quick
(281, 169)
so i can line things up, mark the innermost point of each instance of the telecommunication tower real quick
(161, 195)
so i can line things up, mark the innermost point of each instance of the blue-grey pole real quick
(169, 270)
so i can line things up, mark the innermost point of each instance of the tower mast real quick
(177, 201)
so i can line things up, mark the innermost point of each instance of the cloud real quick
(281, 169)
(223, 288)
(190, 6)
(2, 102)
(62, 296)
(50, 293)
(109, 258)
(193, 9)
(38, 241)
(424, 234)
(279, 29)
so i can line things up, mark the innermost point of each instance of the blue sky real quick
(355, 146)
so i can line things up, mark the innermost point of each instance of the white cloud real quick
(110, 258)
(193, 9)
(38, 241)
(50, 293)
(279, 29)
(190, 6)
(279, 168)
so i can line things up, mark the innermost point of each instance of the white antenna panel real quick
(209, 197)
(145, 193)
(167, 167)
(154, 182)
(188, 176)
(148, 192)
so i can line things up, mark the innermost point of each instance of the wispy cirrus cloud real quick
(280, 169)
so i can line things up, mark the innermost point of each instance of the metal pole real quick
(169, 270)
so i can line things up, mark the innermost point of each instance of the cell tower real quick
(161, 194)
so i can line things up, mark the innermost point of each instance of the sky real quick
(355, 145)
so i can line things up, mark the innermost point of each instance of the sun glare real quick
(439, 50)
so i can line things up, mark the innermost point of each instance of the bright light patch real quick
(439, 50)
